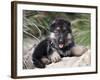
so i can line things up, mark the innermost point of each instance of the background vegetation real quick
(36, 25)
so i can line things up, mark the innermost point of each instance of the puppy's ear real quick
(69, 26)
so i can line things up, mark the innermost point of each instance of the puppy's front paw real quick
(55, 57)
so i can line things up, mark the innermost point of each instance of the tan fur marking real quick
(78, 50)
(45, 60)
(69, 36)
(55, 57)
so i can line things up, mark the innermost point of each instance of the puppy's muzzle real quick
(61, 43)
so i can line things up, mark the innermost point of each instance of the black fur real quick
(40, 51)
(59, 43)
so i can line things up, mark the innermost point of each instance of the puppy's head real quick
(60, 32)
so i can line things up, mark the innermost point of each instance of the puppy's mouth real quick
(61, 45)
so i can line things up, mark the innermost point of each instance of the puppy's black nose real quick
(61, 41)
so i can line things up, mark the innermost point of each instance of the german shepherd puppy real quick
(57, 45)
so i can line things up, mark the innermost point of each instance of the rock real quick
(83, 60)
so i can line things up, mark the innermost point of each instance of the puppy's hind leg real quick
(78, 50)
(38, 63)
(45, 60)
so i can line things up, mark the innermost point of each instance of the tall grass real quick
(36, 24)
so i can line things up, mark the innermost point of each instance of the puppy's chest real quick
(64, 52)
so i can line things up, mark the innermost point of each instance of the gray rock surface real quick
(83, 60)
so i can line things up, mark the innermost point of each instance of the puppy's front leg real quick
(55, 57)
